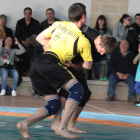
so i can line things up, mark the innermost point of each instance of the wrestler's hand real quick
(68, 64)
(46, 47)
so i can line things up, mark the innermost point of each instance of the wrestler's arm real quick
(75, 66)
(43, 40)
(87, 65)
(44, 37)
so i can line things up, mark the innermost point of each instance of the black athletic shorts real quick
(48, 74)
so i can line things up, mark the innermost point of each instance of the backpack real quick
(8, 90)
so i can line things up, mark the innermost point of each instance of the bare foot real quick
(75, 129)
(65, 133)
(55, 125)
(24, 130)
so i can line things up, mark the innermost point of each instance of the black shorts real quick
(48, 74)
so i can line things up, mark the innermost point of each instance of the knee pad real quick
(53, 105)
(76, 91)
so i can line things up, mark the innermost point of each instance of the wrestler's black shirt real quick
(91, 35)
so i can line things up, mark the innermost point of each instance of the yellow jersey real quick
(67, 40)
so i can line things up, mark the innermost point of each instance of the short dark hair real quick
(124, 16)
(76, 11)
(108, 42)
(27, 8)
(50, 9)
(4, 16)
(3, 42)
(138, 14)
(101, 17)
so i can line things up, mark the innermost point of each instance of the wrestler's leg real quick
(40, 114)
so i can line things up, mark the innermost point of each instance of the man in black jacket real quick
(122, 69)
(50, 19)
(25, 28)
(134, 34)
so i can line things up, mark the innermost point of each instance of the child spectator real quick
(137, 78)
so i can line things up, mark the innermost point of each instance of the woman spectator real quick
(7, 55)
(4, 31)
(101, 28)
(120, 30)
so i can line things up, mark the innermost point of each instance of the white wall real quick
(133, 8)
(13, 9)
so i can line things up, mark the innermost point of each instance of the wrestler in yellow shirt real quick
(67, 40)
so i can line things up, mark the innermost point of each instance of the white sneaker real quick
(3, 92)
(14, 93)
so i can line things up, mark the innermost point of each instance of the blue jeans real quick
(11, 73)
(114, 79)
(97, 64)
(108, 59)
(137, 87)
(33, 87)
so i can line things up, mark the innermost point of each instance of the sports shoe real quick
(31, 91)
(104, 78)
(138, 104)
(14, 93)
(132, 99)
(110, 98)
(3, 92)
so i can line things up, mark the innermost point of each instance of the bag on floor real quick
(8, 90)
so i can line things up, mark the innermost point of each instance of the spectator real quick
(120, 30)
(7, 32)
(134, 34)
(7, 67)
(25, 28)
(122, 69)
(4, 31)
(137, 78)
(101, 28)
(50, 19)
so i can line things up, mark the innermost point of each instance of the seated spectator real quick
(137, 78)
(50, 19)
(120, 30)
(7, 32)
(101, 28)
(25, 28)
(134, 34)
(7, 67)
(122, 69)
(4, 31)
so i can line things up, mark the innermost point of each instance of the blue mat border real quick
(90, 115)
